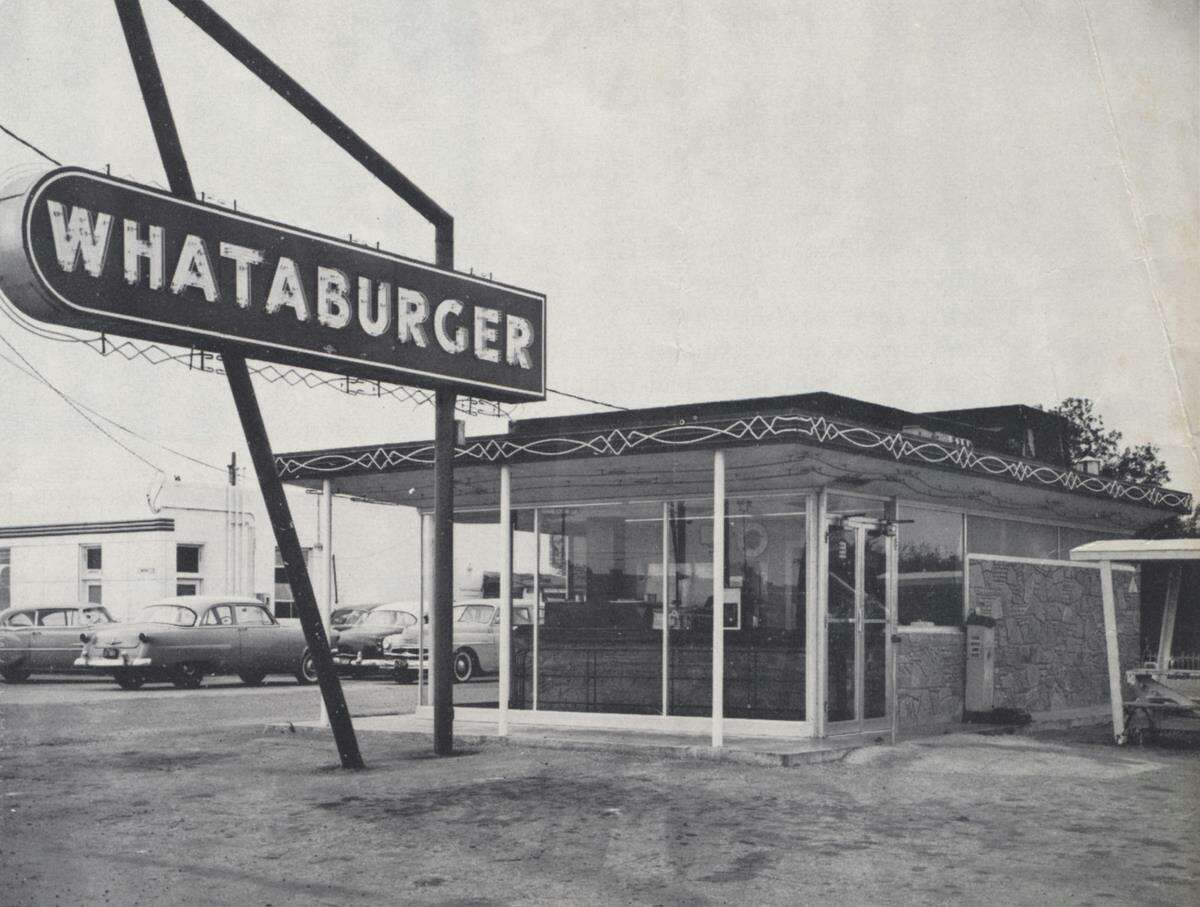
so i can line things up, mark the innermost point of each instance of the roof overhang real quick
(1138, 550)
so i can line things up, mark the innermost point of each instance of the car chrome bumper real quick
(355, 661)
(85, 662)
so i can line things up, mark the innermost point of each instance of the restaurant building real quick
(853, 547)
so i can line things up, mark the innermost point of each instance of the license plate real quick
(111, 653)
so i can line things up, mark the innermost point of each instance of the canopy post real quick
(1114, 653)
(1166, 636)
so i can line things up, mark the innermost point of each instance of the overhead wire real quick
(28, 144)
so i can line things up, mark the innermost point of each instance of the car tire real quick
(252, 680)
(15, 675)
(465, 666)
(306, 674)
(129, 680)
(188, 676)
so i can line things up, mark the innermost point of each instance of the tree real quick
(1088, 437)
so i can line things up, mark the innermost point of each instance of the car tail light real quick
(142, 637)
(85, 637)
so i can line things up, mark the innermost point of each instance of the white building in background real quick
(181, 538)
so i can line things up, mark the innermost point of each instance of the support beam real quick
(506, 570)
(718, 598)
(425, 609)
(1112, 646)
(158, 108)
(443, 574)
(1166, 634)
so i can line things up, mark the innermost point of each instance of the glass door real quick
(860, 615)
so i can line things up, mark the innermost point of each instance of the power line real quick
(585, 399)
(114, 422)
(96, 425)
(28, 144)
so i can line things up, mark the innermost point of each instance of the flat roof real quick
(1138, 550)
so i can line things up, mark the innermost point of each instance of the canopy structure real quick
(1137, 551)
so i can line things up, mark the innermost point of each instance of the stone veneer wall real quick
(1050, 651)
(930, 678)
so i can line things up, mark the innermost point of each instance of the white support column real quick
(718, 599)
(1166, 634)
(1114, 653)
(666, 608)
(537, 597)
(325, 601)
(425, 609)
(506, 569)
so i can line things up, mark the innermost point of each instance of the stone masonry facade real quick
(930, 677)
(1050, 651)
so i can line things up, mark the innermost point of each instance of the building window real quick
(989, 535)
(94, 594)
(285, 603)
(930, 570)
(89, 580)
(192, 587)
(91, 558)
(187, 558)
(5, 578)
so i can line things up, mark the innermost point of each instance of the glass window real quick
(766, 547)
(169, 614)
(192, 588)
(989, 535)
(91, 557)
(850, 505)
(5, 578)
(20, 619)
(91, 616)
(930, 567)
(55, 618)
(388, 617)
(285, 603)
(95, 594)
(252, 615)
(187, 558)
(600, 646)
(1072, 538)
(219, 615)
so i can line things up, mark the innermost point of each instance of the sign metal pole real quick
(141, 52)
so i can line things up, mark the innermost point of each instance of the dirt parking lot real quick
(238, 816)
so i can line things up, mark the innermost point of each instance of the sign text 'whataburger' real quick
(86, 250)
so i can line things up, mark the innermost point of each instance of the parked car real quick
(183, 639)
(356, 648)
(44, 640)
(476, 641)
(340, 618)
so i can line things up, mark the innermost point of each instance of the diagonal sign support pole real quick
(141, 52)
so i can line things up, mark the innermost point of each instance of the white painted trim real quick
(326, 601)
(932, 631)
(1111, 645)
(1045, 562)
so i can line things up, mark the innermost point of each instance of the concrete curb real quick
(651, 748)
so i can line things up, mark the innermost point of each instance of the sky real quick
(928, 205)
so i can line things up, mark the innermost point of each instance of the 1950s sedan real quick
(476, 634)
(44, 640)
(181, 640)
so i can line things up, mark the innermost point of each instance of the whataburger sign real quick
(82, 249)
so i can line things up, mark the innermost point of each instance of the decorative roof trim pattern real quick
(820, 430)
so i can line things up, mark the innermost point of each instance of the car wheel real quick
(464, 665)
(188, 676)
(129, 680)
(15, 675)
(307, 672)
(252, 680)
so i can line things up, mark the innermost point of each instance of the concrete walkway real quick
(752, 750)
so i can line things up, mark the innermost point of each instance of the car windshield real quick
(90, 616)
(170, 614)
(380, 618)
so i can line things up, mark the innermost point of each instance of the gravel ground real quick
(231, 815)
